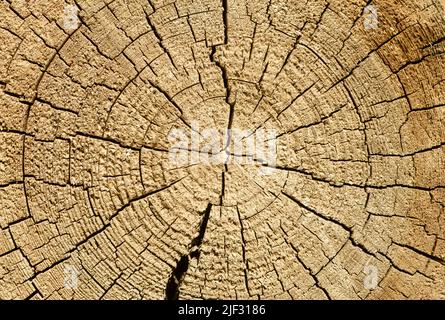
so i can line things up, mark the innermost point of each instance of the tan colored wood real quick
(92, 208)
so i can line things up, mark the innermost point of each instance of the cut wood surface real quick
(93, 207)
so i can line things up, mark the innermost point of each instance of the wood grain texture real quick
(85, 177)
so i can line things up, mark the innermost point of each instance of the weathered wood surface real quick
(86, 186)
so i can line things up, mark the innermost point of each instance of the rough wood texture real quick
(85, 182)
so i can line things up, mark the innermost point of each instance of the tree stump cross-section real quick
(222, 149)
